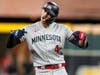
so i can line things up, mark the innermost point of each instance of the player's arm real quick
(18, 52)
(23, 58)
(79, 39)
(19, 49)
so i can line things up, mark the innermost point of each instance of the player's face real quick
(44, 15)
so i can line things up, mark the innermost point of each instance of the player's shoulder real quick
(57, 24)
(31, 26)
(61, 25)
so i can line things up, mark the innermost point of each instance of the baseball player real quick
(45, 40)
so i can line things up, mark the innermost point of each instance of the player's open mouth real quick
(43, 18)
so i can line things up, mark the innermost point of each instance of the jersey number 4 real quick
(57, 48)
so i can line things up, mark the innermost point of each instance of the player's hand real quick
(19, 33)
(79, 35)
(82, 36)
(82, 39)
(79, 38)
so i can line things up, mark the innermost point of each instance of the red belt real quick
(54, 66)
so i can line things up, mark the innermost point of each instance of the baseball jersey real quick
(46, 44)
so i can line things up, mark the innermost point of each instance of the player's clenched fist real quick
(79, 38)
(82, 39)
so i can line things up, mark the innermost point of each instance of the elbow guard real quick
(12, 41)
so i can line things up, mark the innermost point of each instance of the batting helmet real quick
(52, 9)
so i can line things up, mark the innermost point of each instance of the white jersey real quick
(46, 44)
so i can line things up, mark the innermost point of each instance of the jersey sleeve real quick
(68, 32)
